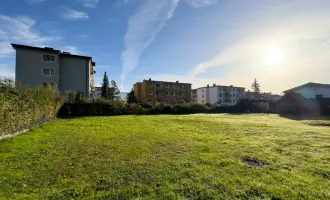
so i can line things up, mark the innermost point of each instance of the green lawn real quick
(169, 157)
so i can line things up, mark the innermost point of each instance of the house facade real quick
(311, 90)
(194, 95)
(37, 66)
(224, 95)
(151, 91)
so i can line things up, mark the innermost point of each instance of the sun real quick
(274, 57)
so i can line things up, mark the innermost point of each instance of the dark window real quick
(47, 83)
(48, 72)
(48, 58)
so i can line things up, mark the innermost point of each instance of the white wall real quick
(310, 92)
(211, 95)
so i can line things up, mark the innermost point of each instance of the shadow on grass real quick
(304, 117)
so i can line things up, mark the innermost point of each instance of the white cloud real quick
(200, 3)
(35, 1)
(89, 3)
(71, 14)
(143, 27)
(19, 30)
(70, 49)
(7, 71)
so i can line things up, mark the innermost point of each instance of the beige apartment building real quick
(151, 91)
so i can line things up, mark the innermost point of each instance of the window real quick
(202, 96)
(151, 85)
(167, 85)
(150, 92)
(234, 101)
(166, 100)
(150, 100)
(202, 90)
(45, 84)
(158, 85)
(173, 93)
(48, 72)
(48, 58)
(220, 95)
(167, 93)
(174, 86)
(182, 86)
(233, 95)
(203, 101)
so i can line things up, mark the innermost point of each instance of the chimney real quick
(214, 85)
(208, 85)
(231, 85)
(149, 79)
(177, 81)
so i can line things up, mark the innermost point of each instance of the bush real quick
(22, 107)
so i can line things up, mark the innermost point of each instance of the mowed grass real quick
(169, 157)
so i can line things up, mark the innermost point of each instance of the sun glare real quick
(274, 57)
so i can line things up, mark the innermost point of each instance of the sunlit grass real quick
(169, 157)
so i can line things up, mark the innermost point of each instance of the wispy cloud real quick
(71, 14)
(143, 27)
(20, 30)
(71, 49)
(244, 60)
(89, 3)
(7, 70)
(200, 3)
(34, 1)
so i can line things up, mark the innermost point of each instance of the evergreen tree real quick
(131, 98)
(105, 90)
(256, 88)
(114, 91)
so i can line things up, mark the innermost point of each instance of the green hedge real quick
(101, 107)
(23, 107)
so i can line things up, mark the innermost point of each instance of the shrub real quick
(22, 107)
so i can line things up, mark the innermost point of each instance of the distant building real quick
(194, 95)
(41, 66)
(151, 91)
(307, 99)
(224, 95)
(269, 96)
(311, 90)
(98, 92)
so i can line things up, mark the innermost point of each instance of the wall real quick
(310, 92)
(29, 67)
(73, 74)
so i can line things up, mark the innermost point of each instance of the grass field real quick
(169, 157)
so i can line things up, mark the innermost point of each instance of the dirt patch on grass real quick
(252, 162)
(324, 125)
(311, 133)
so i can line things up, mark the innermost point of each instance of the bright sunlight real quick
(274, 57)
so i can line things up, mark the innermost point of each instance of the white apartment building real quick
(97, 92)
(224, 95)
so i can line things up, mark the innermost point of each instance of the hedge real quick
(103, 107)
(23, 107)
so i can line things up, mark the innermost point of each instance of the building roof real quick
(167, 82)
(310, 84)
(48, 49)
(221, 86)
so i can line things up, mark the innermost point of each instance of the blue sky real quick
(282, 43)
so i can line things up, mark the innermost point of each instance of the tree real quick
(131, 98)
(256, 88)
(105, 89)
(114, 91)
